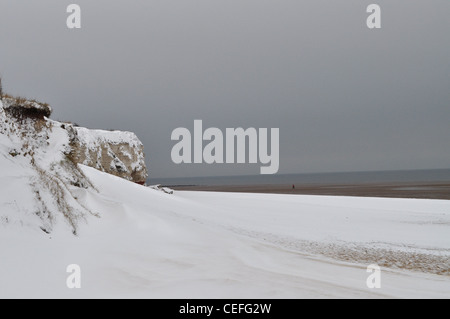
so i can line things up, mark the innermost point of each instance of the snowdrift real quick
(149, 244)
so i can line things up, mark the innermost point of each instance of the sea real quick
(404, 176)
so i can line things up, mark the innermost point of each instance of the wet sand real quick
(391, 190)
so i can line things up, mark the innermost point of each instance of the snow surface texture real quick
(149, 244)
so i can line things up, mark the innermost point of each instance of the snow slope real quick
(149, 244)
(38, 167)
(35, 174)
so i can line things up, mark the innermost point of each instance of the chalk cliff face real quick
(114, 152)
(39, 158)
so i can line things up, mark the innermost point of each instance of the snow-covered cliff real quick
(39, 165)
(114, 152)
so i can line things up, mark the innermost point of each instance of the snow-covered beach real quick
(149, 244)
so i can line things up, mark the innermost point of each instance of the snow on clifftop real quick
(94, 137)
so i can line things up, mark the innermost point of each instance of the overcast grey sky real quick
(345, 98)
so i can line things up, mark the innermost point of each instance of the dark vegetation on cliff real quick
(21, 107)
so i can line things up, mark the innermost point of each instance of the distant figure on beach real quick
(293, 186)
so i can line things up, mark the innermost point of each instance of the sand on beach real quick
(420, 190)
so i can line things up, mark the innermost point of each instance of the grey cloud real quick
(344, 97)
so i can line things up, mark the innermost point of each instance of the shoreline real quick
(418, 190)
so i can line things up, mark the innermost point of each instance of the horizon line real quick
(312, 173)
